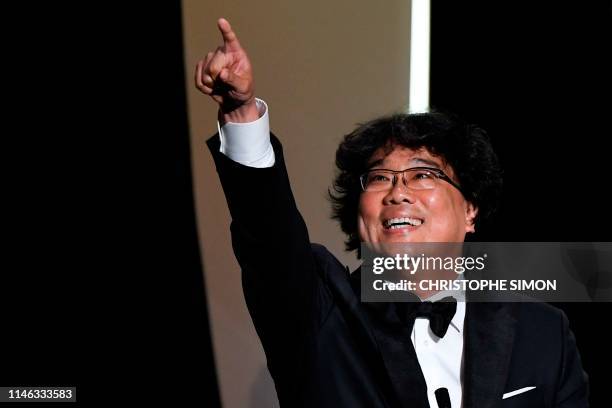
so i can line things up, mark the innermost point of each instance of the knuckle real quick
(213, 69)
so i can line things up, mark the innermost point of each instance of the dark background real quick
(101, 284)
(101, 280)
(537, 76)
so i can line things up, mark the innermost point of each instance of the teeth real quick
(391, 223)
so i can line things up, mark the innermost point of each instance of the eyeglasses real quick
(416, 178)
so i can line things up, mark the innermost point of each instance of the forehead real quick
(404, 157)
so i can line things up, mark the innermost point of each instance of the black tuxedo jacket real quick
(325, 348)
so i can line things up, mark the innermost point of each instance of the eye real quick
(423, 175)
(378, 177)
(422, 179)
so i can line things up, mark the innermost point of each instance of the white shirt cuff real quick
(248, 143)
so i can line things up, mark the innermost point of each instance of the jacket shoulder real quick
(328, 261)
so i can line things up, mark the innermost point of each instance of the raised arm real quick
(270, 240)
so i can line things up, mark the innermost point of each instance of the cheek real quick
(361, 229)
(367, 215)
(445, 212)
(368, 208)
(437, 205)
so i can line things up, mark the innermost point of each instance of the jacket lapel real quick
(395, 349)
(402, 365)
(488, 341)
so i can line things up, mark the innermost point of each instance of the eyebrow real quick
(414, 159)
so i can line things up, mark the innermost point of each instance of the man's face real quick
(439, 215)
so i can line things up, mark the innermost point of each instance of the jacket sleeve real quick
(270, 240)
(573, 385)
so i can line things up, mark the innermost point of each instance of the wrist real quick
(247, 112)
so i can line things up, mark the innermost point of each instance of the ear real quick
(470, 217)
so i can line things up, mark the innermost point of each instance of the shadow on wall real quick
(263, 393)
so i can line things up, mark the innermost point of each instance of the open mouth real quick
(405, 222)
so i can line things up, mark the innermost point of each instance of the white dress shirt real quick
(248, 143)
(439, 358)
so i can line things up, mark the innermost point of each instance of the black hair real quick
(464, 147)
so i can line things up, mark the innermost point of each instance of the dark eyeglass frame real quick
(436, 172)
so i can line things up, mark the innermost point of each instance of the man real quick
(405, 178)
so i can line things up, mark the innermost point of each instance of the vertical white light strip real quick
(419, 56)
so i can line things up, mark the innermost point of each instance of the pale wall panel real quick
(322, 67)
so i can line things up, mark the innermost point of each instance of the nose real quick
(399, 193)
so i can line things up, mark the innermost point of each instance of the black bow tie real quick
(439, 313)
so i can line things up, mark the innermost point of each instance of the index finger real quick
(229, 37)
